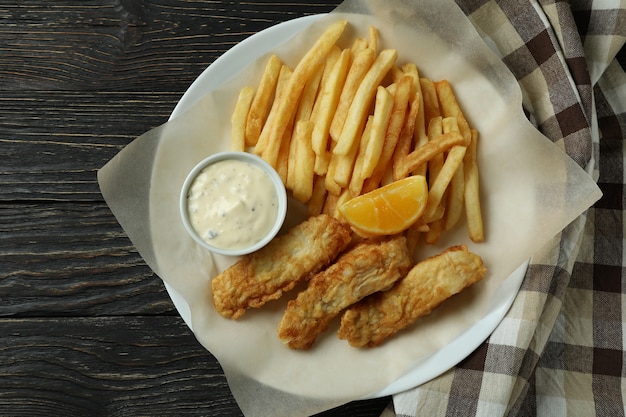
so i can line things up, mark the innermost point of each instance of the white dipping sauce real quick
(232, 204)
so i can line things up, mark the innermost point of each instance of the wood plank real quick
(117, 366)
(53, 143)
(85, 327)
(126, 45)
(108, 366)
(73, 259)
(80, 81)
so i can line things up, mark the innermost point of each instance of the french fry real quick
(305, 106)
(329, 178)
(262, 100)
(431, 237)
(455, 198)
(343, 197)
(327, 69)
(304, 175)
(344, 166)
(450, 107)
(424, 153)
(331, 185)
(302, 73)
(387, 176)
(346, 121)
(420, 136)
(451, 164)
(412, 236)
(361, 63)
(472, 192)
(380, 121)
(396, 73)
(283, 77)
(305, 112)
(357, 179)
(292, 165)
(318, 196)
(359, 107)
(330, 204)
(454, 193)
(330, 60)
(435, 128)
(405, 142)
(327, 102)
(410, 69)
(373, 39)
(238, 119)
(282, 164)
(431, 102)
(358, 45)
(394, 127)
(322, 162)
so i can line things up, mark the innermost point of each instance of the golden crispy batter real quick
(266, 274)
(368, 267)
(426, 286)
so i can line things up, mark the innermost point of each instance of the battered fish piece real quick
(276, 268)
(368, 267)
(426, 286)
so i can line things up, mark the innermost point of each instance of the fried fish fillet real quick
(368, 267)
(426, 286)
(276, 268)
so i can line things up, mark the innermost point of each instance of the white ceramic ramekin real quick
(266, 170)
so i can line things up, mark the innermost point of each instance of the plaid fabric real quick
(560, 350)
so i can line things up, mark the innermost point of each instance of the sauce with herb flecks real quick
(232, 204)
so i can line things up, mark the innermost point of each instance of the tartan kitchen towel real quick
(560, 350)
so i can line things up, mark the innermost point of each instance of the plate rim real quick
(211, 78)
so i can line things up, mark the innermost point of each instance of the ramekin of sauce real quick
(233, 203)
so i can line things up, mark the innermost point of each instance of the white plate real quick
(221, 71)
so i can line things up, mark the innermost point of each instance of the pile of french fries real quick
(346, 121)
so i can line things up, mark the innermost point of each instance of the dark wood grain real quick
(52, 143)
(117, 366)
(81, 295)
(80, 80)
(122, 45)
(108, 367)
(86, 328)
(73, 260)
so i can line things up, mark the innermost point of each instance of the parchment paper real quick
(530, 191)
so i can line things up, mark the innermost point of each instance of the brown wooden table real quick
(86, 328)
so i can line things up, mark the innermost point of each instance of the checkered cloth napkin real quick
(560, 350)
